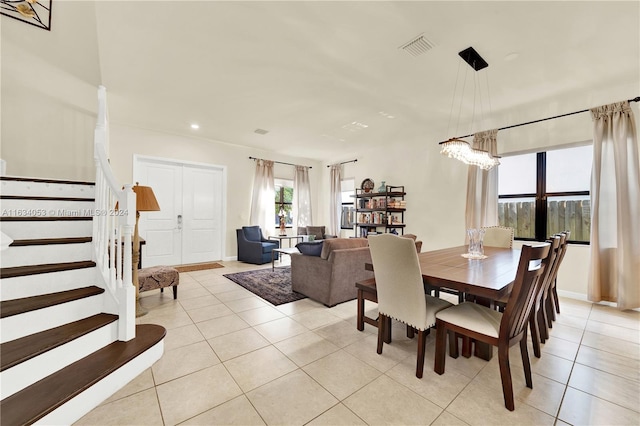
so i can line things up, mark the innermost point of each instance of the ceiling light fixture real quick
(456, 147)
(195, 126)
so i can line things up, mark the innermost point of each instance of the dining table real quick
(481, 280)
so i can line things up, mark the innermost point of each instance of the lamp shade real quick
(145, 199)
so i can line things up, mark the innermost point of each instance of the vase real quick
(383, 187)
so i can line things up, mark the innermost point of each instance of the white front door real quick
(188, 227)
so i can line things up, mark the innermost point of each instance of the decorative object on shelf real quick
(383, 187)
(367, 185)
(457, 147)
(32, 12)
(145, 202)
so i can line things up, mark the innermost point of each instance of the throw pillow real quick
(311, 248)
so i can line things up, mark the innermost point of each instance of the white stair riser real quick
(77, 407)
(43, 189)
(37, 368)
(43, 254)
(54, 208)
(53, 282)
(47, 229)
(17, 326)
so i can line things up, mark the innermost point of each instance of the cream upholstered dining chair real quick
(400, 290)
(499, 329)
(498, 236)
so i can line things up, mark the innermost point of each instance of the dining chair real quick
(496, 328)
(552, 296)
(498, 236)
(400, 291)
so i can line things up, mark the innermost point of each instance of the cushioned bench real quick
(159, 277)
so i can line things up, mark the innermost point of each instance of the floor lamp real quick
(145, 202)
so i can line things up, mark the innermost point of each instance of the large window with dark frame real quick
(283, 201)
(348, 207)
(543, 193)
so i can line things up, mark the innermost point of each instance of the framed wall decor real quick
(32, 12)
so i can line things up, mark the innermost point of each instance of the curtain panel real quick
(335, 201)
(614, 274)
(482, 185)
(302, 211)
(263, 198)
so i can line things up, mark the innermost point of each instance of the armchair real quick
(318, 231)
(253, 247)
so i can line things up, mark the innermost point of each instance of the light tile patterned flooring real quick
(232, 358)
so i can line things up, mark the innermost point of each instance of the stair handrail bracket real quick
(114, 221)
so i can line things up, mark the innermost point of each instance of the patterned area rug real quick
(275, 287)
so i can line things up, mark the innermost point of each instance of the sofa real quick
(253, 247)
(330, 278)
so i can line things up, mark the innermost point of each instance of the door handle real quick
(179, 221)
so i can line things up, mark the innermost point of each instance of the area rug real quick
(273, 286)
(198, 266)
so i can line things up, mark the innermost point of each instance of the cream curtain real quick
(482, 185)
(335, 201)
(614, 274)
(263, 198)
(302, 197)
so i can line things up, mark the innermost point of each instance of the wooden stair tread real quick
(19, 271)
(60, 181)
(44, 396)
(20, 350)
(27, 304)
(48, 241)
(43, 198)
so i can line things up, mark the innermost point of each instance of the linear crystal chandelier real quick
(457, 147)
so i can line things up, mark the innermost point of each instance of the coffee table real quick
(283, 250)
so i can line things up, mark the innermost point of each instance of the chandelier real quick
(457, 147)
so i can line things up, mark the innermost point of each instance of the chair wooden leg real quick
(422, 343)
(505, 375)
(526, 363)
(535, 334)
(360, 316)
(410, 332)
(441, 345)
(549, 311)
(556, 302)
(453, 344)
(382, 325)
(466, 347)
(541, 318)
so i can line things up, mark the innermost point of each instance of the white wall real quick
(128, 141)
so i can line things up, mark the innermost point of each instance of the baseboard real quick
(230, 258)
(583, 297)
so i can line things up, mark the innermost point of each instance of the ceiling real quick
(325, 78)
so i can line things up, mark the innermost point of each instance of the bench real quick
(160, 277)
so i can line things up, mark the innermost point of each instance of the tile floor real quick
(231, 358)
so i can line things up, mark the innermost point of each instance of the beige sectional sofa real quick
(331, 277)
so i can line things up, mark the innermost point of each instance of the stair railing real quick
(113, 225)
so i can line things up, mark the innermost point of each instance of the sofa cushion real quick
(341, 243)
(311, 248)
(318, 231)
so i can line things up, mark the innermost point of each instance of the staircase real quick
(68, 337)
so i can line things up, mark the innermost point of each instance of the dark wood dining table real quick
(487, 279)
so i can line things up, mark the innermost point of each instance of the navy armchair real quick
(253, 247)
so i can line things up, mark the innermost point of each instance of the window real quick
(544, 193)
(348, 210)
(284, 200)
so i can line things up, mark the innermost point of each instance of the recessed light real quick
(195, 126)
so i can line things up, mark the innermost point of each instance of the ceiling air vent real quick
(418, 45)
(261, 131)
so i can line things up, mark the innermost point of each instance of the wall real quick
(127, 141)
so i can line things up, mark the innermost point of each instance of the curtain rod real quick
(636, 99)
(279, 162)
(344, 162)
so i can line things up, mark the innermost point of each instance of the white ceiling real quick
(305, 71)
